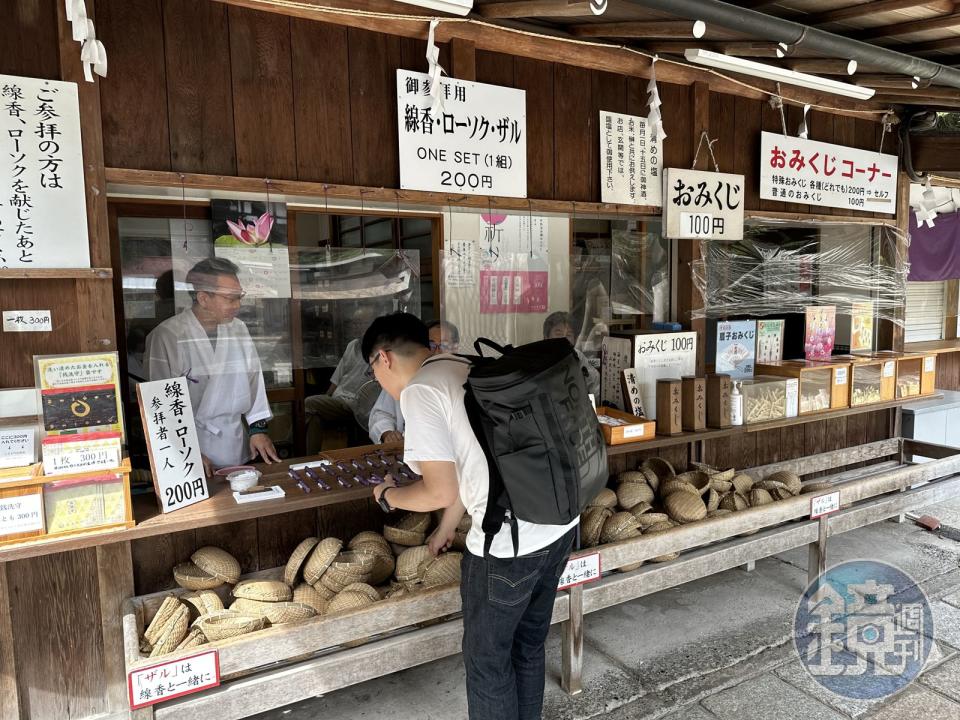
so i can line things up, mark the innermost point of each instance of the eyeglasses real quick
(231, 296)
(440, 346)
(369, 371)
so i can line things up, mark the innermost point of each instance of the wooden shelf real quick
(932, 346)
(56, 274)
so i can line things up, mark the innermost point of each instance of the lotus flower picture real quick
(255, 233)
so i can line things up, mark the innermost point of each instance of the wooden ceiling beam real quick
(875, 7)
(823, 66)
(941, 22)
(950, 43)
(534, 9)
(655, 29)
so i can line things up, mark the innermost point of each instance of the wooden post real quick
(952, 303)
(463, 59)
(572, 630)
(817, 558)
(890, 335)
(115, 581)
(9, 690)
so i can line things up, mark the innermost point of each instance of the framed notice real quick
(662, 355)
(43, 216)
(475, 143)
(769, 341)
(79, 393)
(172, 443)
(630, 161)
(614, 358)
(702, 205)
(806, 171)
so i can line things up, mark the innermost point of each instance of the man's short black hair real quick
(397, 331)
(445, 324)
(555, 319)
(203, 276)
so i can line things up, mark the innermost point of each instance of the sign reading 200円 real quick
(475, 144)
(702, 205)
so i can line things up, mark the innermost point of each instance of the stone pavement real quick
(719, 648)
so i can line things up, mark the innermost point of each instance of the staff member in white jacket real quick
(213, 349)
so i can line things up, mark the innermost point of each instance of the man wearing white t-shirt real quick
(507, 600)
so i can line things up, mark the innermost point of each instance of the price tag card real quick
(930, 363)
(173, 679)
(580, 570)
(21, 513)
(18, 446)
(888, 368)
(841, 378)
(27, 321)
(824, 505)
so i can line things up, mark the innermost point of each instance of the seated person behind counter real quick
(559, 325)
(386, 420)
(337, 408)
(209, 345)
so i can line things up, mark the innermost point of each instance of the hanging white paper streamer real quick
(79, 22)
(93, 55)
(68, 6)
(654, 119)
(434, 70)
(804, 130)
(927, 212)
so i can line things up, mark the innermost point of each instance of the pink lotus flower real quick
(255, 234)
(493, 219)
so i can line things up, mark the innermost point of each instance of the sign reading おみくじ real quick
(702, 205)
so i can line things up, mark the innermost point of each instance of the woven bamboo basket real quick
(631, 494)
(168, 610)
(397, 590)
(770, 486)
(305, 594)
(677, 485)
(409, 561)
(323, 554)
(368, 538)
(653, 480)
(656, 530)
(173, 633)
(649, 519)
(791, 480)
(742, 483)
(631, 567)
(619, 526)
(815, 487)
(203, 602)
(194, 638)
(734, 501)
(292, 571)
(697, 478)
(715, 473)
(276, 613)
(759, 497)
(414, 522)
(641, 509)
(591, 524)
(348, 600)
(712, 500)
(606, 498)
(323, 591)
(783, 494)
(632, 476)
(721, 486)
(370, 591)
(263, 590)
(660, 467)
(685, 507)
(219, 563)
(349, 567)
(384, 563)
(719, 512)
(227, 624)
(443, 570)
(406, 538)
(190, 577)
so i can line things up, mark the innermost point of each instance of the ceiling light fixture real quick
(735, 64)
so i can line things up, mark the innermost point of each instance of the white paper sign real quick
(66, 454)
(826, 175)
(929, 364)
(888, 368)
(630, 161)
(43, 216)
(614, 357)
(165, 681)
(20, 514)
(27, 321)
(793, 397)
(699, 204)
(635, 431)
(841, 376)
(18, 446)
(662, 355)
(824, 504)
(172, 442)
(633, 400)
(580, 570)
(476, 144)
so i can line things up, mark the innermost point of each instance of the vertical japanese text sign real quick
(703, 205)
(476, 143)
(43, 213)
(630, 169)
(172, 442)
(805, 171)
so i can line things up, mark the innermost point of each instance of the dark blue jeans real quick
(507, 605)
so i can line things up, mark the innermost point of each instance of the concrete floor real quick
(719, 648)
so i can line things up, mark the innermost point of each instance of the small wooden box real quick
(636, 429)
(916, 373)
(669, 406)
(872, 379)
(694, 403)
(719, 388)
(824, 384)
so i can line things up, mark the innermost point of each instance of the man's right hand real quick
(391, 436)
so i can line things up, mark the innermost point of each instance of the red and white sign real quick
(580, 570)
(173, 679)
(824, 505)
(805, 171)
(513, 291)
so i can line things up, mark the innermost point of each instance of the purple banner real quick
(935, 252)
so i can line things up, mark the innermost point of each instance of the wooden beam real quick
(863, 9)
(741, 48)
(950, 43)
(656, 29)
(534, 9)
(823, 66)
(933, 93)
(936, 153)
(941, 22)
(896, 82)
(463, 59)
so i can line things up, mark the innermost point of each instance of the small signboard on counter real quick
(614, 359)
(795, 170)
(27, 321)
(769, 341)
(176, 678)
(580, 570)
(702, 205)
(661, 355)
(736, 348)
(172, 442)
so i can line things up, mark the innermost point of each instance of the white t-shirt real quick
(437, 428)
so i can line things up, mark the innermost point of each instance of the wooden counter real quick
(932, 346)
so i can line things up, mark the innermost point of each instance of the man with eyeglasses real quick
(212, 348)
(386, 421)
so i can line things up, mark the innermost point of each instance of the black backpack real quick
(530, 411)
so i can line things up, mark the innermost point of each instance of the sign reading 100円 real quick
(476, 143)
(702, 205)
